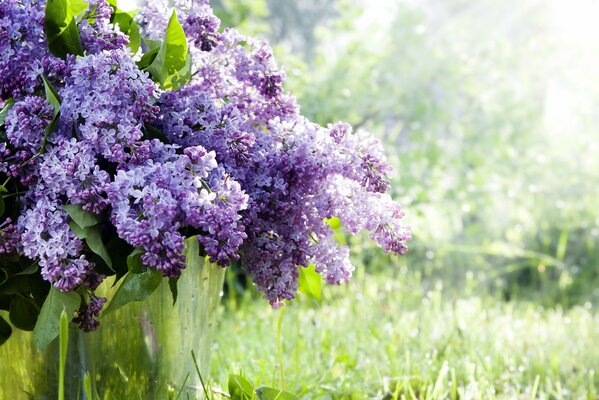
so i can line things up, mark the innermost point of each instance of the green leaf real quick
(134, 263)
(23, 313)
(61, 29)
(134, 37)
(181, 77)
(265, 393)
(4, 112)
(54, 100)
(49, 130)
(135, 287)
(31, 269)
(240, 388)
(47, 326)
(310, 282)
(172, 59)
(51, 95)
(152, 44)
(93, 239)
(78, 6)
(64, 343)
(82, 218)
(127, 25)
(148, 58)
(5, 331)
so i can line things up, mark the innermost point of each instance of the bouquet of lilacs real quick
(126, 134)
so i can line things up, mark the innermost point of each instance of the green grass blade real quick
(195, 362)
(64, 340)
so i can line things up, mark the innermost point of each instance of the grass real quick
(384, 337)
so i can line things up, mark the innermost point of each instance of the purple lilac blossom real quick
(24, 55)
(100, 35)
(107, 100)
(26, 123)
(238, 166)
(46, 237)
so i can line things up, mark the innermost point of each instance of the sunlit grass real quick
(384, 337)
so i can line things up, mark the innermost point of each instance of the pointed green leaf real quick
(61, 29)
(82, 218)
(95, 244)
(265, 393)
(134, 37)
(51, 95)
(93, 239)
(49, 130)
(134, 263)
(240, 388)
(5, 331)
(172, 59)
(54, 99)
(23, 313)
(31, 269)
(126, 22)
(148, 58)
(135, 287)
(47, 326)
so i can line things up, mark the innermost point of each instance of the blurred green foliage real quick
(490, 125)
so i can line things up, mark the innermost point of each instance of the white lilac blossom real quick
(227, 157)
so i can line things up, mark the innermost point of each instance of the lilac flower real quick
(24, 55)
(70, 169)
(26, 123)
(9, 237)
(100, 35)
(107, 100)
(46, 236)
(226, 157)
(88, 313)
(151, 202)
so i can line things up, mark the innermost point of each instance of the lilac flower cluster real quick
(297, 174)
(23, 53)
(100, 35)
(153, 201)
(226, 157)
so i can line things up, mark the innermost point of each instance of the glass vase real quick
(140, 351)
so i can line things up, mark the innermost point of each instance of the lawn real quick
(384, 337)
